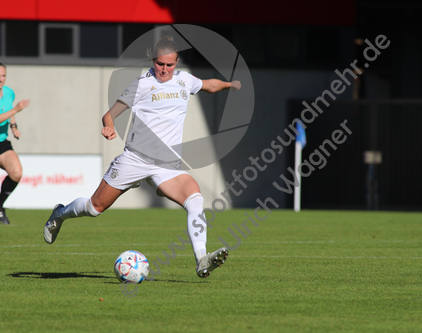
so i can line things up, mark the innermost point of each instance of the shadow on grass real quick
(173, 281)
(37, 275)
(178, 281)
(48, 276)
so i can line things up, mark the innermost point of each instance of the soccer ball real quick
(131, 266)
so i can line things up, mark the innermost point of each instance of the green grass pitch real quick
(314, 271)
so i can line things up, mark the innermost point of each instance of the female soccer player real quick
(9, 160)
(158, 100)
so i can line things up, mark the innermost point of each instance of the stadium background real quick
(61, 56)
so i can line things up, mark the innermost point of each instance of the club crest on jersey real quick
(184, 94)
(181, 82)
(160, 96)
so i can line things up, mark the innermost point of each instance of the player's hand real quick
(235, 85)
(16, 133)
(108, 132)
(22, 104)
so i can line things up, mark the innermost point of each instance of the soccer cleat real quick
(52, 227)
(3, 216)
(211, 261)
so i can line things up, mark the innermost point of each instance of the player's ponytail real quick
(165, 45)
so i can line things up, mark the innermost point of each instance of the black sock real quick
(6, 188)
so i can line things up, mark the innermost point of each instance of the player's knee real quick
(16, 174)
(194, 203)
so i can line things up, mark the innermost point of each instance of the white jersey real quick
(158, 113)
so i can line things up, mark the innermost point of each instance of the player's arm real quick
(214, 85)
(116, 110)
(19, 107)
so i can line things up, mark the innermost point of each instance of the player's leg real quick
(103, 198)
(9, 161)
(185, 191)
(122, 174)
(179, 188)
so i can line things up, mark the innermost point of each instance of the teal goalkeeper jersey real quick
(6, 104)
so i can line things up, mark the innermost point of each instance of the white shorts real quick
(129, 171)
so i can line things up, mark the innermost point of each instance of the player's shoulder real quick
(9, 91)
(143, 80)
(147, 75)
(182, 77)
(181, 74)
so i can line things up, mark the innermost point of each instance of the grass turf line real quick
(315, 271)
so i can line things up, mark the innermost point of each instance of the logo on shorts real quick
(114, 173)
(184, 94)
(181, 82)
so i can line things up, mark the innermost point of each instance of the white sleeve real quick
(196, 85)
(128, 96)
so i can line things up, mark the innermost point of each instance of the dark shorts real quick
(5, 146)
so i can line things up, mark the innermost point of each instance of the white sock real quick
(197, 228)
(78, 208)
